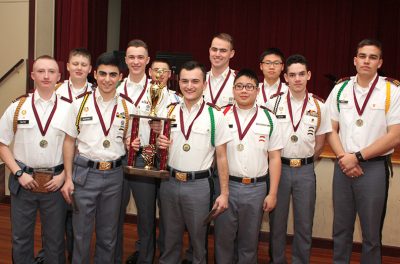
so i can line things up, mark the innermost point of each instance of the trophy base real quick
(154, 173)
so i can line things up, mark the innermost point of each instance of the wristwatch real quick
(359, 156)
(19, 173)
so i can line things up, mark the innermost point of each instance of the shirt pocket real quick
(310, 126)
(201, 136)
(118, 129)
(261, 136)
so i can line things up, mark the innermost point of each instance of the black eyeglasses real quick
(272, 63)
(248, 86)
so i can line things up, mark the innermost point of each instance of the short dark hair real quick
(296, 58)
(191, 65)
(161, 61)
(248, 73)
(108, 58)
(80, 51)
(138, 43)
(224, 36)
(274, 51)
(370, 42)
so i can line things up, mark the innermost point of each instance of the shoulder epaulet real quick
(318, 98)
(19, 97)
(276, 95)
(226, 108)
(216, 107)
(394, 81)
(83, 94)
(127, 98)
(57, 86)
(266, 108)
(342, 80)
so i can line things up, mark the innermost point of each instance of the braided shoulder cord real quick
(212, 119)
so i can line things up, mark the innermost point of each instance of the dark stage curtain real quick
(80, 23)
(326, 32)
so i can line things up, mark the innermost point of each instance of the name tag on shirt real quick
(87, 118)
(343, 101)
(23, 122)
(261, 124)
(174, 125)
(281, 116)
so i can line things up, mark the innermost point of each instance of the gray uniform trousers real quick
(365, 195)
(52, 208)
(300, 183)
(241, 222)
(184, 204)
(98, 198)
(144, 192)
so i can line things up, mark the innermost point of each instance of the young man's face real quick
(220, 53)
(136, 59)
(160, 66)
(245, 92)
(107, 77)
(79, 67)
(45, 74)
(271, 67)
(368, 60)
(297, 77)
(192, 84)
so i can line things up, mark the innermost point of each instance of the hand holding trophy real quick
(149, 151)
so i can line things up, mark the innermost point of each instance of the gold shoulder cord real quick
(387, 101)
(171, 109)
(16, 113)
(78, 117)
(318, 113)
(126, 113)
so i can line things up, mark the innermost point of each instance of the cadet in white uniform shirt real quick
(304, 122)
(271, 65)
(78, 66)
(220, 77)
(35, 131)
(255, 148)
(365, 112)
(99, 121)
(137, 87)
(199, 133)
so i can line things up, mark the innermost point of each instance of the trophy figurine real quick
(149, 151)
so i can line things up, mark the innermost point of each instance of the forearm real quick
(319, 145)
(275, 168)
(223, 174)
(8, 158)
(68, 153)
(335, 143)
(383, 144)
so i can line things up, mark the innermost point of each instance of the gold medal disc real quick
(186, 147)
(106, 143)
(294, 138)
(359, 122)
(240, 147)
(43, 143)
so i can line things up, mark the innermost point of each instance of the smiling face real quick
(192, 85)
(79, 67)
(45, 74)
(368, 61)
(136, 59)
(160, 66)
(107, 77)
(220, 53)
(245, 92)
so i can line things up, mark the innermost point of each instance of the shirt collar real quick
(40, 99)
(195, 106)
(270, 86)
(369, 84)
(222, 75)
(99, 98)
(141, 83)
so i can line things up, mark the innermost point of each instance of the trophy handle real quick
(134, 134)
(164, 152)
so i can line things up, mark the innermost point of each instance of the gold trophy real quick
(149, 151)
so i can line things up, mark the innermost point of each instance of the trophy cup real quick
(149, 151)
